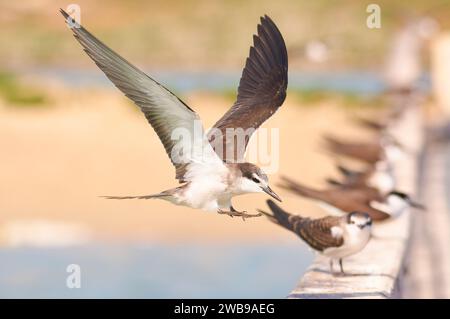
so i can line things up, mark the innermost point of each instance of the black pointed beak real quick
(417, 205)
(270, 192)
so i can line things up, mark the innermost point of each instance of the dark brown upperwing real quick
(317, 232)
(367, 152)
(356, 199)
(346, 199)
(300, 189)
(353, 178)
(332, 196)
(371, 124)
(262, 90)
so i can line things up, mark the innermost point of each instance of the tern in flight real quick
(210, 166)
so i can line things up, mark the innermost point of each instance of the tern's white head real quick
(357, 229)
(253, 180)
(359, 220)
(395, 203)
(399, 201)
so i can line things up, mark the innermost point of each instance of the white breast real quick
(397, 205)
(355, 239)
(393, 153)
(207, 183)
(383, 181)
(204, 193)
(394, 206)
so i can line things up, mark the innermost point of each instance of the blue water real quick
(360, 82)
(158, 271)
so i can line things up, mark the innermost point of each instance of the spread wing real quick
(262, 90)
(319, 234)
(170, 117)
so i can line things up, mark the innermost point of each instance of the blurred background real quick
(67, 136)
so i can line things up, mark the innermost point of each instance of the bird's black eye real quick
(255, 180)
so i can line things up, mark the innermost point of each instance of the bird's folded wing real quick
(370, 152)
(165, 112)
(381, 206)
(318, 233)
(347, 172)
(262, 90)
(300, 189)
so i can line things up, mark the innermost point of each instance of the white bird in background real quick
(211, 167)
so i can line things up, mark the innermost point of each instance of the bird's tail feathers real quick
(346, 171)
(370, 124)
(331, 145)
(332, 141)
(278, 216)
(160, 195)
(333, 182)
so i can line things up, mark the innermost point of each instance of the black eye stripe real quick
(255, 180)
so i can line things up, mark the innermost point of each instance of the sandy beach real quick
(57, 161)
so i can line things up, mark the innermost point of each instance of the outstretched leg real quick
(236, 213)
(342, 268)
(244, 214)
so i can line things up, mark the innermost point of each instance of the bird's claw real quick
(245, 215)
(242, 214)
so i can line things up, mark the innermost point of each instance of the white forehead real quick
(260, 176)
(359, 219)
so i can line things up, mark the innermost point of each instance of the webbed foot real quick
(243, 214)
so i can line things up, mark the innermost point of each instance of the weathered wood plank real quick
(377, 271)
(429, 253)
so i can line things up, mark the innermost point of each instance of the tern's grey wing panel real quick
(163, 110)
